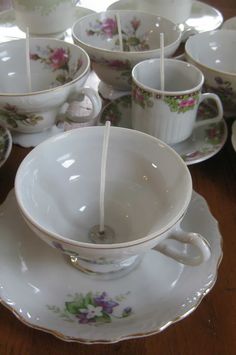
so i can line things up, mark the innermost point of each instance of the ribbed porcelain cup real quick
(170, 112)
(147, 192)
(58, 72)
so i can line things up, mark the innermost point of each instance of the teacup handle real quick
(219, 106)
(73, 103)
(195, 239)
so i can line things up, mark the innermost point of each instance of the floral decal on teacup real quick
(108, 28)
(142, 97)
(58, 59)
(178, 103)
(13, 117)
(225, 91)
(182, 103)
(121, 67)
(93, 308)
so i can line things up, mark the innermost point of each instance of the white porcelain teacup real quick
(148, 190)
(213, 52)
(175, 10)
(98, 35)
(58, 73)
(50, 17)
(169, 114)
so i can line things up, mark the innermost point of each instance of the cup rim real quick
(129, 54)
(207, 35)
(54, 89)
(163, 92)
(79, 244)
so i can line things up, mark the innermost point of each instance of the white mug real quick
(44, 17)
(169, 114)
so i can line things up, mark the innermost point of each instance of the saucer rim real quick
(8, 144)
(60, 335)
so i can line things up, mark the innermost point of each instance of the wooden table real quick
(211, 329)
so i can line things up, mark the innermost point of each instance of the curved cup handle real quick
(219, 106)
(70, 110)
(195, 239)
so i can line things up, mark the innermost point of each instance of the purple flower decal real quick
(93, 308)
(105, 302)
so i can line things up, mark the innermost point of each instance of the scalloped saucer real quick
(45, 292)
(5, 144)
(203, 144)
(203, 17)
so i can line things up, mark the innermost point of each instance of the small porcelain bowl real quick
(58, 72)
(98, 34)
(214, 54)
(148, 189)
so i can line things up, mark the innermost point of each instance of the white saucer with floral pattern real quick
(5, 144)
(47, 293)
(204, 142)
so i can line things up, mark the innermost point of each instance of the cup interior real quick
(140, 31)
(148, 186)
(215, 49)
(53, 63)
(178, 76)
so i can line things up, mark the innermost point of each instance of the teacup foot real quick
(28, 140)
(106, 275)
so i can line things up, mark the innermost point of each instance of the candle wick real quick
(119, 31)
(28, 71)
(103, 175)
(162, 69)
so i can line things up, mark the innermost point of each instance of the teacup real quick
(213, 52)
(169, 113)
(98, 35)
(175, 10)
(58, 73)
(42, 17)
(147, 192)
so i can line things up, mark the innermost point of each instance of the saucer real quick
(5, 144)
(9, 30)
(46, 293)
(204, 142)
(203, 17)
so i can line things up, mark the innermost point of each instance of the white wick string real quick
(103, 174)
(162, 68)
(27, 54)
(119, 31)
